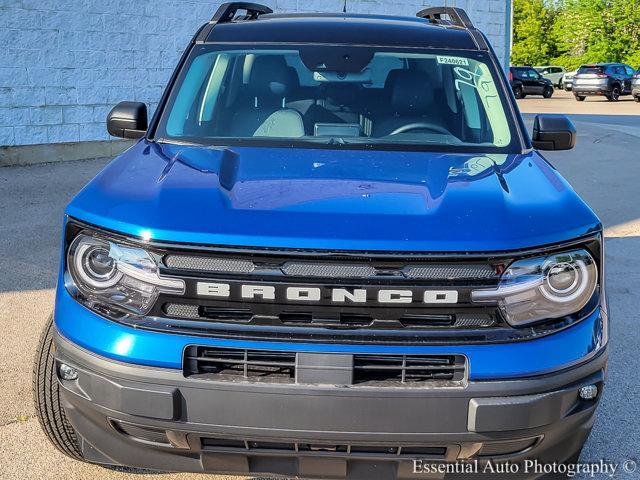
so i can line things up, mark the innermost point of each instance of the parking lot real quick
(604, 169)
(564, 102)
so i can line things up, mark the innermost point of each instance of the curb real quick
(61, 152)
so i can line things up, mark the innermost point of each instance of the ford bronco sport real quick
(333, 252)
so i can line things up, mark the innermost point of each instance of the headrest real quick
(411, 91)
(271, 76)
(343, 93)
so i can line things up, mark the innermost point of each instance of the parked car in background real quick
(553, 73)
(610, 80)
(635, 86)
(567, 80)
(527, 81)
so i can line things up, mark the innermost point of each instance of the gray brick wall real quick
(65, 63)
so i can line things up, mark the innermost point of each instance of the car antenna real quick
(344, 7)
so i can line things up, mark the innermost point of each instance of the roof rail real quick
(227, 11)
(457, 16)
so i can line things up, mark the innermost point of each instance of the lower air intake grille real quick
(408, 368)
(388, 451)
(257, 365)
(360, 370)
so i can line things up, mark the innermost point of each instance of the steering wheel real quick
(419, 126)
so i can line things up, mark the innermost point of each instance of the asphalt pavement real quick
(604, 168)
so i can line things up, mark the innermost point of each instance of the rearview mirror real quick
(553, 132)
(128, 120)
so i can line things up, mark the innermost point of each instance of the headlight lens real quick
(109, 274)
(537, 289)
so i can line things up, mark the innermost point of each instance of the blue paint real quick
(337, 200)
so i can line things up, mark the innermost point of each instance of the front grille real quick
(270, 366)
(260, 294)
(301, 448)
(407, 368)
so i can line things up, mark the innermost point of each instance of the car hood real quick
(334, 199)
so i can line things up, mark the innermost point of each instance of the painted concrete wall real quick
(65, 63)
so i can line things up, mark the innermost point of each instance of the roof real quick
(351, 29)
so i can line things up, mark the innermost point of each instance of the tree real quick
(574, 32)
(532, 21)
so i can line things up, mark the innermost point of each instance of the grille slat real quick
(242, 362)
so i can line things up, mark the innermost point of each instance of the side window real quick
(618, 70)
(630, 71)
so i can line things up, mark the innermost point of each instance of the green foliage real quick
(532, 21)
(573, 32)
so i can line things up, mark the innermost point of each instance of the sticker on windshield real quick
(452, 61)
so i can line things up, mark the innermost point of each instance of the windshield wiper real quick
(178, 142)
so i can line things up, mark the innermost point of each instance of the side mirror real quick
(128, 120)
(553, 132)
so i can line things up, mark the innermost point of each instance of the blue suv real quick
(333, 252)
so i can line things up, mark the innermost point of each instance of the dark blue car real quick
(334, 252)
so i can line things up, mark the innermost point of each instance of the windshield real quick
(338, 96)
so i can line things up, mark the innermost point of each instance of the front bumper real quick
(318, 431)
(635, 91)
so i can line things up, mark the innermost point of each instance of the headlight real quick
(109, 274)
(537, 289)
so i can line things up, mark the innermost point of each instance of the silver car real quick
(635, 86)
(567, 80)
(553, 73)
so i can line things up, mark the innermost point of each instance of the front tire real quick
(637, 98)
(580, 98)
(46, 397)
(548, 92)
